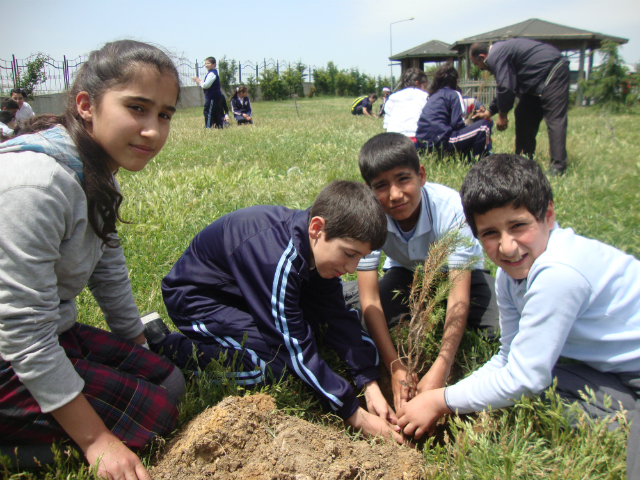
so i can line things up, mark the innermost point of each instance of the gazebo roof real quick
(435, 50)
(563, 37)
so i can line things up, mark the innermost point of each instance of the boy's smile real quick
(399, 191)
(513, 238)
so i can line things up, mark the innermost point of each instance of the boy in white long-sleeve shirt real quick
(559, 294)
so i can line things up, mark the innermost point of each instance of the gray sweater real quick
(48, 253)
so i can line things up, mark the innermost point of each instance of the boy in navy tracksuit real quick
(441, 124)
(212, 94)
(364, 105)
(272, 274)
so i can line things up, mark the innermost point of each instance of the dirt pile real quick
(246, 438)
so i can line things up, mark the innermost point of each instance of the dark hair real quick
(116, 63)
(445, 76)
(240, 89)
(384, 152)
(351, 210)
(18, 91)
(5, 116)
(9, 104)
(211, 59)
(373, 95)
(411, 76)
(505, 179)
(478, 49)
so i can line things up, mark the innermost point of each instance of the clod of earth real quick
(247, 438)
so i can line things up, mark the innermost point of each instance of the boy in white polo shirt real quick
(418, 214)
(24, 109)
(559, 294)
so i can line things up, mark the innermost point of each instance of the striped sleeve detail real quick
(370, 262)
(278, 311)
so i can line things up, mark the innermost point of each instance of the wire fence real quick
(61, 73)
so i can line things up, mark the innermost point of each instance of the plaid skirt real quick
(121, 384)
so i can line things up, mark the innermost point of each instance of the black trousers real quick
(483, 309)
(553, 106)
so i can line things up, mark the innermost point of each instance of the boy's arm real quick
(454, 325)
(377, 325)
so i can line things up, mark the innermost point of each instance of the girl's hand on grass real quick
(377, 404)
(117, 462)
(402, 393)
(420, 415)
(374, 426)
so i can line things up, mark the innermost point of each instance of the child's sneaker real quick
(154, 328)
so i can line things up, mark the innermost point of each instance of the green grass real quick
(285, 159)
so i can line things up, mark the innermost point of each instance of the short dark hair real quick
(19, 91)
(5, 116)
(411, 76)
(373, 95)
(384, 152)
(211, 59)
(9, 104)
(505, 179)
(478, 49)
(351, 210)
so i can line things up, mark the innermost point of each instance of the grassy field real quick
(286, 158)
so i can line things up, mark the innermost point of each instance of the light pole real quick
(391, 47)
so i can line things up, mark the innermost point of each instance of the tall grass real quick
(285, 159)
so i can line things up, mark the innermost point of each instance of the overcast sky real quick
(351, 33)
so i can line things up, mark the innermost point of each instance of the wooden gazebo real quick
(565, 39)
(433, 51)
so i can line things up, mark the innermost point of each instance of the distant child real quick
(441, 125)
(5, 119)
(224, 110)
(560, 295)
(273, 275)
(364, 105)
(59, 204)
(24, 109)
(404, 107)
(11, 106)
(212, 94)
(418, 214)
(386, 91)
(241, 106)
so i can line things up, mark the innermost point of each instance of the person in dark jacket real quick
(241, 106)
(260, 281)
(364, 105)
(441, 124)
(538, 75)
(212, 94)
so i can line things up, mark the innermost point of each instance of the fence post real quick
(197, 72)
(278, 66)
(265, 63)
(257, 78)
(14, 71)
(239, 72)
(65, 72)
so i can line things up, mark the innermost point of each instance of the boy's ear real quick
(550, 215)
(83, 104)
(422, 174)
(316, 225)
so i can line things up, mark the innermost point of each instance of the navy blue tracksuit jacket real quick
(248, 274)
(442, 115)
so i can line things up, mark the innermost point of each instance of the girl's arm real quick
(84, 426)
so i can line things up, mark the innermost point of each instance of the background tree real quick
(227, 69)
(608, 82)
(32, 75)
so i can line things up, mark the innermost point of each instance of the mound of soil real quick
(246, 438)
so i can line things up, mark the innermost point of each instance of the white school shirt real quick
(24, 112)
(581, 300)
(440, 212)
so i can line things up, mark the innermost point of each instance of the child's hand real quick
(376, 403)
(374, 426)
(116, 460)
(436, 377)
(420, 414)
(399, 385)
